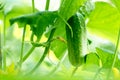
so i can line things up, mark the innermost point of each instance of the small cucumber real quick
(77, 43)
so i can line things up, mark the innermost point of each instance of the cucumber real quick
(77, 43)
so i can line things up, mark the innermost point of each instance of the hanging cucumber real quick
(77, 43)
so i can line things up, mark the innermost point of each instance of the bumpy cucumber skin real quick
(77, 43)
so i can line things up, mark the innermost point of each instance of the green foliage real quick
(104, 21)
(89, 59)
(38, 21)
(107, 58)
(69, 8)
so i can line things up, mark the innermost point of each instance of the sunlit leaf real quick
(90, 64)
(104, 21)
(90, 57)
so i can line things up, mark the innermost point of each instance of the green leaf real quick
(116, 3)
(92, 62)
(90, 57)
(104, 21)
(66, 10)
(38, 21)
(58, 46)
(69, 8)
(117, 63)
(105, 57)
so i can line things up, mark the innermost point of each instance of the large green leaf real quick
(104, 21)
(38, 21)
(69, 8)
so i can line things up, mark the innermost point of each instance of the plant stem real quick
(58, 65)
(22, 47)
(115, 54)
(33, 6)
(47, 47)
(116, 49)
(45, 51)
(47, 5)
(32, 48)
(28, 53)
(74, 71)
(0, 52)
(4, 42)
(0, 44)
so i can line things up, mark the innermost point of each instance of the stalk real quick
(47, 47)
(22, 59)
(47, 5)
(22, 47)
(33, 6)
(1, 8)
(28, 53)
(115, 54)
(45, 51)
(58, 64)
(32, 48)
(74, 71)
(0, 52)
(4, 42)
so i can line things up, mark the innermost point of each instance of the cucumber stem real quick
(74, 71)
